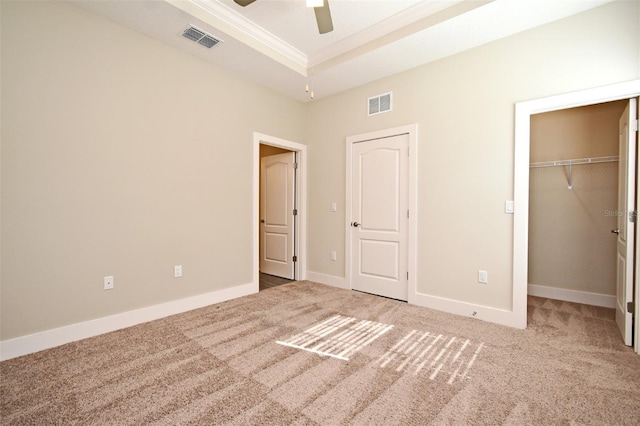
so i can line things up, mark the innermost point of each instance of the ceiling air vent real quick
(200, 37)
(379, 104)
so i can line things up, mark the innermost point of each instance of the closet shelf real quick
(593, 160)
(574, 162)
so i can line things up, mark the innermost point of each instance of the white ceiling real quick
(276, 42)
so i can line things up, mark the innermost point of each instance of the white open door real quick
(277, 196)
(379, 221)
(626, 224)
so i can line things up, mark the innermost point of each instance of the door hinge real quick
(295, 258)
(633, 216)
(295, 166)
(295, 212)
(634, 125)
(407, 275)
(407, 214)
(630, 307)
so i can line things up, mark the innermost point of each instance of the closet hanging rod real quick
(592, 160)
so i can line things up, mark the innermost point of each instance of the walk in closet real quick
(573, 194)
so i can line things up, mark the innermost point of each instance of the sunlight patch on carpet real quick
(433, 353)
(338, 337)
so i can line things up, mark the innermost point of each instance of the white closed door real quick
(379, 223)
(277, 196)
(626, 226)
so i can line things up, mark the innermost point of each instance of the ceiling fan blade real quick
(323, 18)
(244, 3)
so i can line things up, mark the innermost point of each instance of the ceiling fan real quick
(320, 7)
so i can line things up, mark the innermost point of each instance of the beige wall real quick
(570, 241)
(120, 156)
(117, 153)
(589, 131)
(464, 107)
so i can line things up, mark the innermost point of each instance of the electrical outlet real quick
(483, 277)
(333, 255)
(108, 282)
(177, 271)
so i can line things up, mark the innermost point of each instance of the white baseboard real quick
(484, 313)
(331, 280)
(576, 296)
(59, 336)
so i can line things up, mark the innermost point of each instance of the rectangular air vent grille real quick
(200, 37)
(379, 104)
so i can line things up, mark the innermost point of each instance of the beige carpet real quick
(344, 358)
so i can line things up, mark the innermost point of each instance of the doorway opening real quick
(523, 113)
(573, 204)
(279, 211)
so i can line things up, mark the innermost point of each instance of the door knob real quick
(355, 224)
(615, 231)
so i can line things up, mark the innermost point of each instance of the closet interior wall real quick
(571, 246)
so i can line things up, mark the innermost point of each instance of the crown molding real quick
(403, 24)
(409, 21)
(367, 35)
(241, 23)
(237, 26)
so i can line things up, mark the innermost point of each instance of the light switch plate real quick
(508, 206)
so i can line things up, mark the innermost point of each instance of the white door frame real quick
(284, 179)
(412, 131)
(523, 112)
(301, 197)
